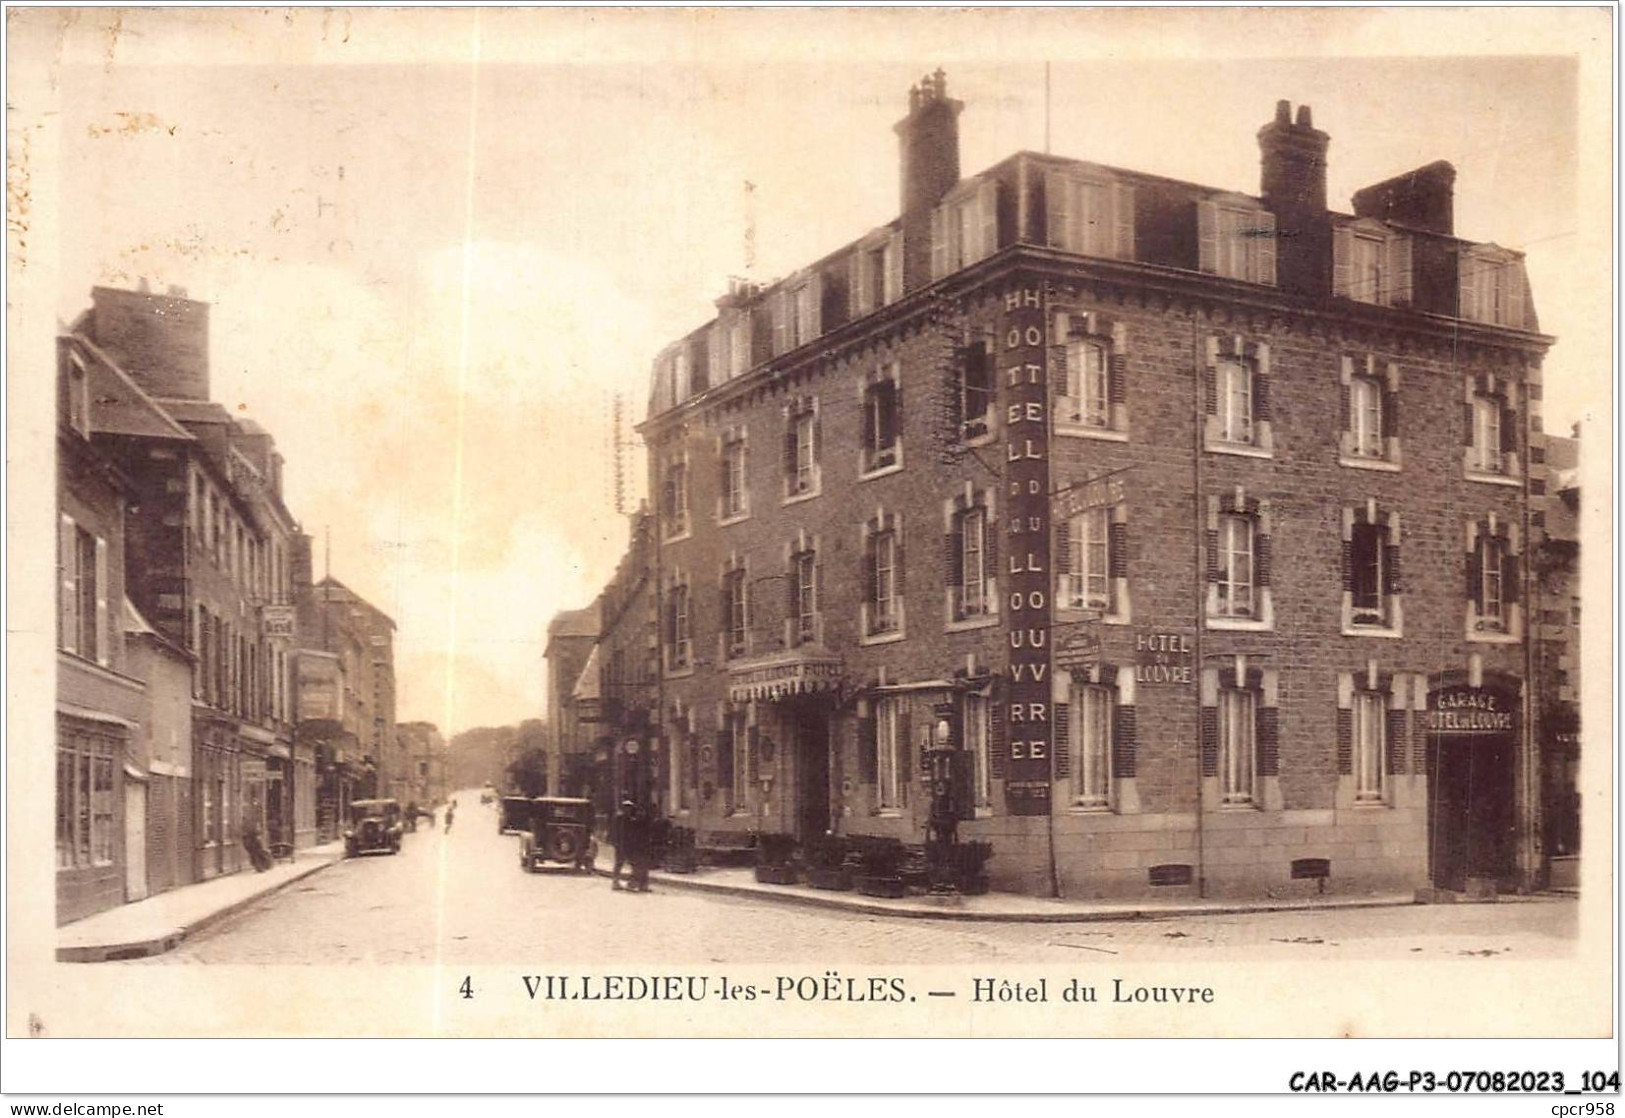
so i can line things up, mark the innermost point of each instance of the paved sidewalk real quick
(1010, 907)
(160, 923)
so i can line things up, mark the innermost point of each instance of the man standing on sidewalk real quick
(622, 838)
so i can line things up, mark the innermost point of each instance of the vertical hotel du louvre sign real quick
(1022, 367)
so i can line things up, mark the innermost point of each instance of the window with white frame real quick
(1236, 239)
(735, 496)
(889, 753)
(970, 575)
(804, 597)
(1237, 745)
(1089, 214)
(804, 312)
(1236, 596)
(1487, 454)
(977, 727)
(679, 643)
(876, 273)
(885, 608)
(1492, 584)
(1235, 386)
(801, 471)
(882, 423)
(1370, 733)
(739, 344)
(1091, 744)
(1088, 586)
(1369, 575)
(736, 612)
(1371, 263)
(1087, 399)
(1366, 434)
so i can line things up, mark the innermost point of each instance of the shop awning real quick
(801, 671)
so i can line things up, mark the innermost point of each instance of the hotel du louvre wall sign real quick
(1461, 711)
(1027, 533)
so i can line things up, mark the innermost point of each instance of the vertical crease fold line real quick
(439, 993)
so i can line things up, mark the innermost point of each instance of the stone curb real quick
(171, 939)
(918, 911)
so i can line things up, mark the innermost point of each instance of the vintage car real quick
(560, 831)
(374, 825)
(513, 814)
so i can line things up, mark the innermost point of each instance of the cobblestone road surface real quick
(461, 899)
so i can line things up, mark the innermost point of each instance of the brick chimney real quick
(1421, 199)
(162, 341)
(928, 145)
(1293, 188)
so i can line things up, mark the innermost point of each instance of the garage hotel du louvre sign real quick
(1469, 710)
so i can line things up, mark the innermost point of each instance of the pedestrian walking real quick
(622, 838)
(650, 842)
(451, 813)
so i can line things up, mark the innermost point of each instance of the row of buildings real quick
(1220, 529)
(208, 686)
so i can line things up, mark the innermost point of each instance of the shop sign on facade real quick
(1023, 370)
(1462, 710)
(278, 620)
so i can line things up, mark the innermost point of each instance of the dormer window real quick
(1492, 286)
(965, 228)
(1089, 214)
(1236, 239)
(1371, 263)
(876, 272)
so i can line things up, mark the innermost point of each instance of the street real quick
(461, 899)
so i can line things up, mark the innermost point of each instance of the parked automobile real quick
(374, 825)
(513, 814)
(560, 831)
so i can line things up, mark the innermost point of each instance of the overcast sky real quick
(437, 244)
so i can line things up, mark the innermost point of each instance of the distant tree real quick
(528, 773)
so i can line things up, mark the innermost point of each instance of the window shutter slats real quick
(1117, 550)
(1063, 548)
(905, 753)
(1061, 377)
(1125, 733)
(814, 325)
(1207, 237)
(1342, 260)
(1263, 560)
(1394, 743)
(1468, 434)
(1345, 741)
(1269, 741)
(871, 577)
(990, 548)
(1209, 734)
(958, 389)
(893, 263)
(987, 204)
(1122, 221)
(1058, 212)
(998, 747)
(1390, 559)
(103, 641)
(1509, 576)
(1509, 430)
(1117, 378)
(1348, 565)
(1475, 576)
(1261, 394)
(790, 452)
(953, 557)
(1401, 274)
(1212, 535)
(1390, 414)
(1062, 718)
(1264, 247)
(67, 562)
(1517, 295)
(857, 283)
(1467, 285)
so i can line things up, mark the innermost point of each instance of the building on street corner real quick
(570, 639)
(1198, 519)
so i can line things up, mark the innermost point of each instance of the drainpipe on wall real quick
(1199, 411)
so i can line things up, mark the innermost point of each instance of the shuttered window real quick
(1235, 377)
(1090, 216)
(1372, 263)
(1236, 241)
(1365, 417)
(1492, 287)
(964, 229)
(1235, 581)
(1091, 732)
(1487, 431)
(882, 423)
(890, 744)
(1369, 732)
(977, 739)
(804, 597)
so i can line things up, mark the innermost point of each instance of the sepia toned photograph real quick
(822, 522)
